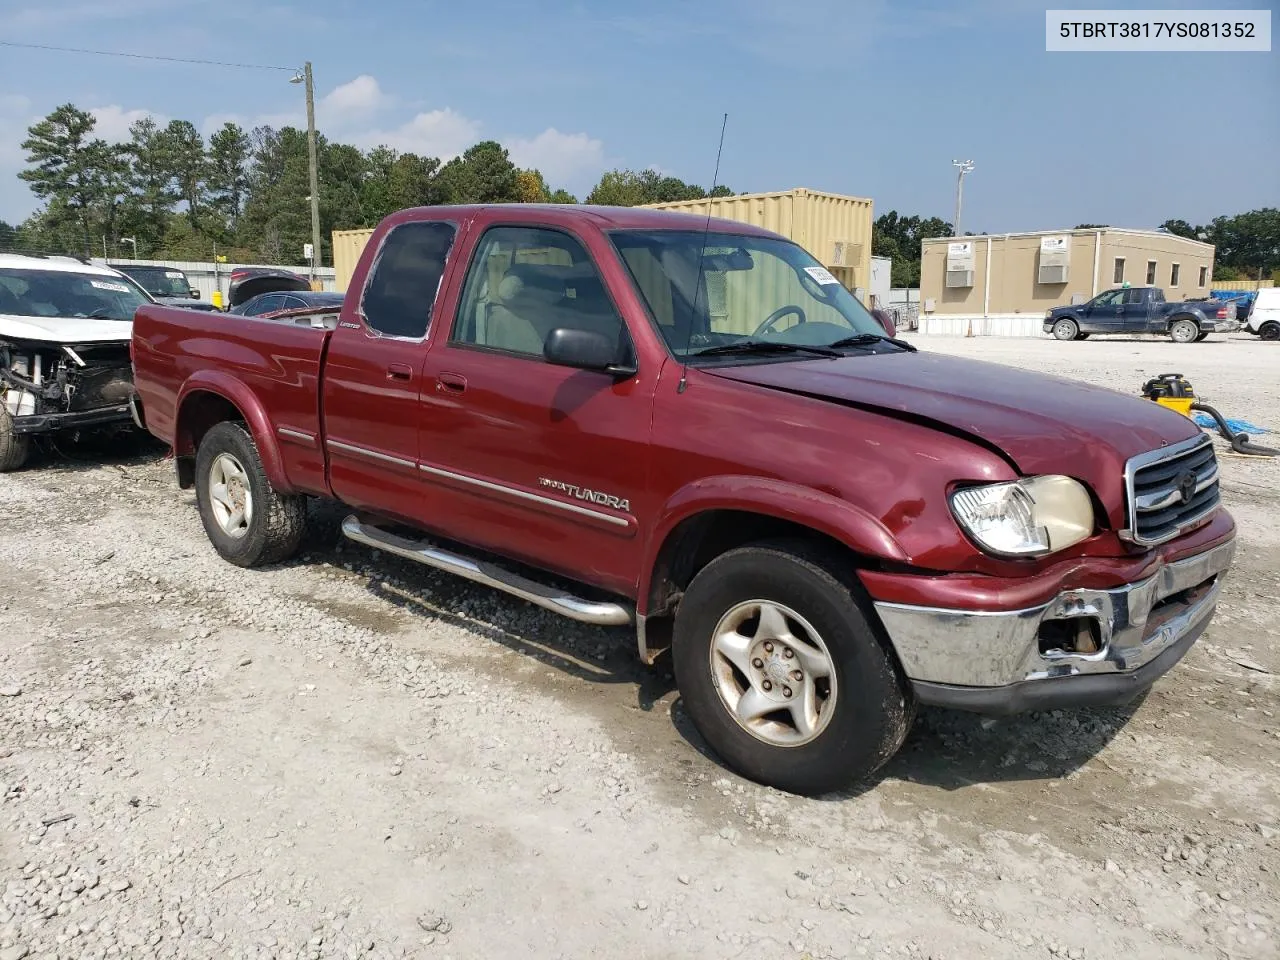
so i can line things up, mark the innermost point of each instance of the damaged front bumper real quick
(48, 388)
(1013, 661)
(72, 420)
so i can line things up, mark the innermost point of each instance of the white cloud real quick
(113, 122)
(439, 133)
(357, 99)
(562, 157)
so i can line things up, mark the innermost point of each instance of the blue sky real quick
(866, 97)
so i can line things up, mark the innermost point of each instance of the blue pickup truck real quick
(1141, 310)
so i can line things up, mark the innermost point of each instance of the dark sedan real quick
(276, 301)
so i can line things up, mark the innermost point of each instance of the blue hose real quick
(1237, 426)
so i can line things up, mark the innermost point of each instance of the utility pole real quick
(963, 167)
(314, 172)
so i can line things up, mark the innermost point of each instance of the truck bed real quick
(275, 360)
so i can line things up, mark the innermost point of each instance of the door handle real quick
(399, 371)
(451, 383)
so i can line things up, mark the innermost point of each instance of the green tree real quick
(189, 165)
(62, 158)
(147, 213)
(898, 237)
(627, 188)
(8, 236)
(1181, 228)
(227, 177)
(484, 174)
(1091, 226)
(1249, 242)
(531, 187)
(561, 196)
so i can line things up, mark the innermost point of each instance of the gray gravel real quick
(351, 757)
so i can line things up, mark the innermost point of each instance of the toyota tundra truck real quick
(689, 427)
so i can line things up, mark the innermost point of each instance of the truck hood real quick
(64, 329)
(1041, 424)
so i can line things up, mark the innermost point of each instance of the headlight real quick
(1048, 313)
(1025, 518)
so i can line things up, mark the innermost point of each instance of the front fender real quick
(242, 397)
(819, 511)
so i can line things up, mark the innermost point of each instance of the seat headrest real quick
(531, 281)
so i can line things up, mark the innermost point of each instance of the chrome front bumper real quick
(968, 658)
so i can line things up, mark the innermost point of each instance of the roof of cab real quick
(604, 218)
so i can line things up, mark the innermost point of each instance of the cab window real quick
(400, 295)
(525, 282)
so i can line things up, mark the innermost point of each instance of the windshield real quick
(161, 283)
(749, 289)
(62, 293)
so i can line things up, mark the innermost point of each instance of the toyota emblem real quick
(1187, 483)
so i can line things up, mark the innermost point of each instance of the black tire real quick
(1065, 328)
(1269, 330)
(1203, 334)
(1083, 336)
(277, 522)
(14, 447)
(1184, 330)
(873, 707)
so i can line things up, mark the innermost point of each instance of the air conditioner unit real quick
(960, 263)
(959, 278)
(845, 253)
(1055, 259)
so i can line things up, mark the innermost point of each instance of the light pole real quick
(133, 243)
(963, 166)
(305, 77)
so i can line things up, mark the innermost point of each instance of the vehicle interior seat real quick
(519, 311)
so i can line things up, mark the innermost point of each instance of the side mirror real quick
(195, 294)
(585, 350)
(886, 321)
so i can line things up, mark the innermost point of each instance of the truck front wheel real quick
(782, 673)
(246, 520)
(14, 447)
(1066, 329)
(1270, 330)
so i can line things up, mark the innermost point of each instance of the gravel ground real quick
(348, 756)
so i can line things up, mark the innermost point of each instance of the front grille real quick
(1171, 490)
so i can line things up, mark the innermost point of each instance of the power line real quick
(146, 56)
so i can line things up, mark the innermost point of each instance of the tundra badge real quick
(581, 493)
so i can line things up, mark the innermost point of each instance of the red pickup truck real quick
(695, 424)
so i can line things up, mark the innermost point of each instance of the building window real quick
(1151, 272)
(1204, 276)
(1119, 276)
(1174, 272)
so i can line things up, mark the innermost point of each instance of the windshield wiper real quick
(866, 339)
(763, 346)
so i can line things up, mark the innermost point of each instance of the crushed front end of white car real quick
(64, 350)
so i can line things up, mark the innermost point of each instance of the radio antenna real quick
(702, 256)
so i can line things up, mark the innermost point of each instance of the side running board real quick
(600, 613)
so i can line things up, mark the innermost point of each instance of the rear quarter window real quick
(400, 296)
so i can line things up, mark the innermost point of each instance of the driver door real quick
(545, 463)
(1105, 313)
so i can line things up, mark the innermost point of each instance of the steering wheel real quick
(772, 320)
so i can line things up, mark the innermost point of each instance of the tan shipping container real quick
(347, 247)
(835, 229)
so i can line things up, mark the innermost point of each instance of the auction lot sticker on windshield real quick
(173, 274)
(821, 275)
(108, 285)
(1146, 31)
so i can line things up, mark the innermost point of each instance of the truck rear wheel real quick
(1066, 329)
(782, 673)
(1184, 331)
(246, 520)
(14, 447)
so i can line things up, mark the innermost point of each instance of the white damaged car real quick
(64, 350)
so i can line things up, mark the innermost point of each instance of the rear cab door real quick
(372, 380)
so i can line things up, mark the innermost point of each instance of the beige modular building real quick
(1002, 284)
(834, 228)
